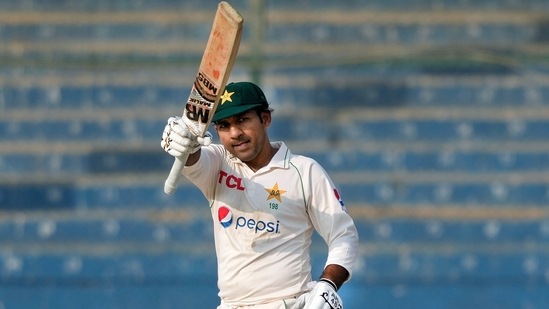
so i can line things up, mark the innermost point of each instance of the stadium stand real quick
(431, 115)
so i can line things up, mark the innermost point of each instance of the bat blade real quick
(215, 68)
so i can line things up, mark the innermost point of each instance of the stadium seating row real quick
(371, 93)
(433, 161)
(387, 280)
(66, 194)
(153, 161)
(105, 129)
(453, 266)
(394, 33)
(497, 193)
(97, 98)
(194, 228)
(367, 32)
(106, 5)
(399, 92)
(59, 195)
(421, 5)
(284, 4)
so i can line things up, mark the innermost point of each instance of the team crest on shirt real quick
(275, 193)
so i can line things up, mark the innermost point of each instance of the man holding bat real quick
(266, 203)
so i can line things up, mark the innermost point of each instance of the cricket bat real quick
(213, 73)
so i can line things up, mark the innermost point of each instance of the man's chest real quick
(271, 202)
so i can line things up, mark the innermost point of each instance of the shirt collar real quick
(281, 157)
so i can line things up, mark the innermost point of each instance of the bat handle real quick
(173, 178)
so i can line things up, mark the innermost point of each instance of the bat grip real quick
(173, 178)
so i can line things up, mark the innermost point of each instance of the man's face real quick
(245, 135)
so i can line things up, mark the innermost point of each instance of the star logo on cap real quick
(275, 193)
(226, 97)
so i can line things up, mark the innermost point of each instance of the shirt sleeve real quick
(205, 172)
(331, 220)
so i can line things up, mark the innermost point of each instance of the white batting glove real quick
(178, 141)
(322, 296)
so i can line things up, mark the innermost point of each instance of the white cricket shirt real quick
(263, 222)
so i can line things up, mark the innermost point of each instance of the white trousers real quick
(279, 304)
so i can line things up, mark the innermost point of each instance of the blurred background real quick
(432, 117)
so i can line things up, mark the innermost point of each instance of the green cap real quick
(238, 98)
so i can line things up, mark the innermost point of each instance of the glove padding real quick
(322, 296)
(179, 141)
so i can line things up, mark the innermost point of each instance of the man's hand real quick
(178, 141)
(322, 296)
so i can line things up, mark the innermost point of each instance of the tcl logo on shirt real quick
(231, 181)
(225, 216)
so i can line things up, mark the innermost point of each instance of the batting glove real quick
(322, 296)
(178, 141)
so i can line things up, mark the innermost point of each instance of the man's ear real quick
(266, 117)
